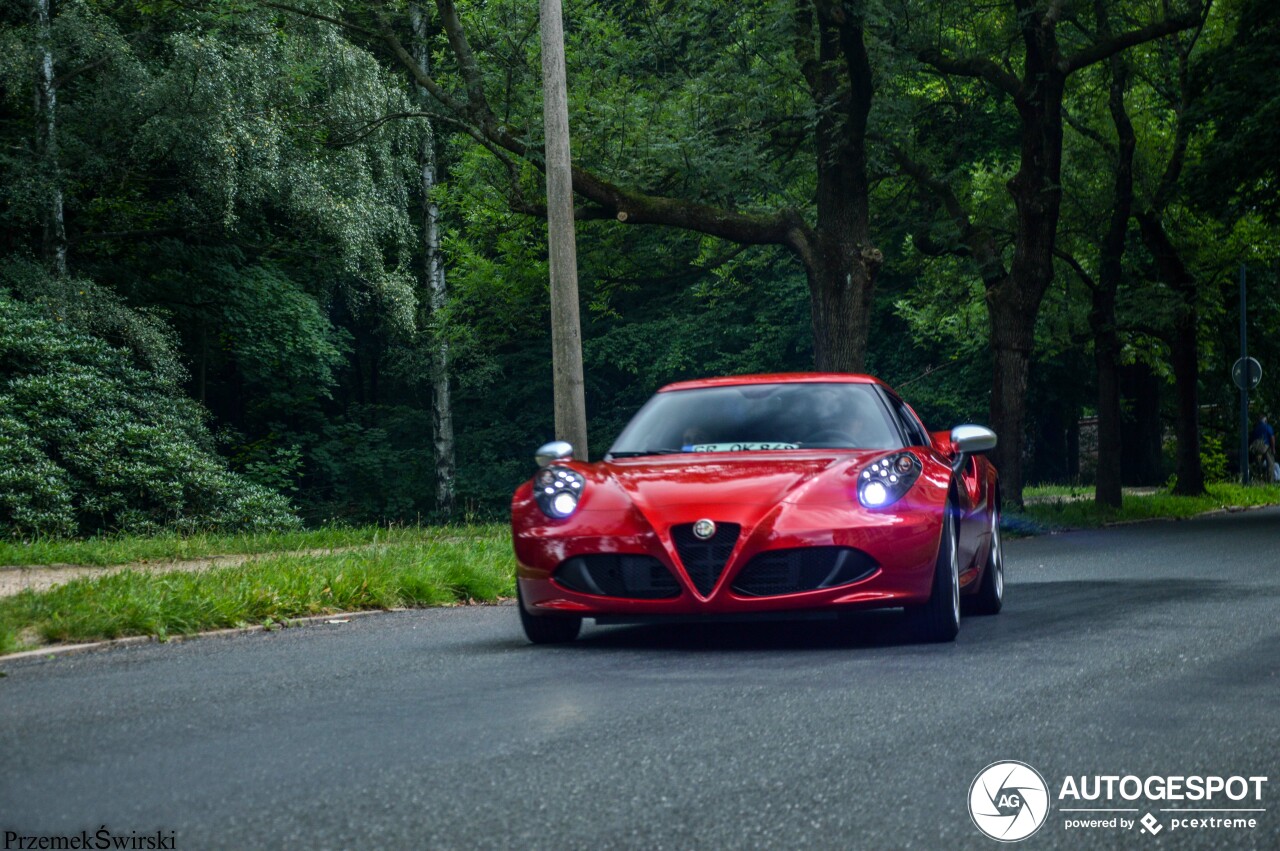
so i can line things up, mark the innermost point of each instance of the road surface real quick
(1147, 650)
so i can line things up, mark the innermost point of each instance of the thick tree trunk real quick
(1143, 451)
(1037, 195)
(840, 292)
(1186, 359)
(1012, 334)
(840, 261)
(1106, 358)
(1102, 318)
(436, 293)
(55, 230)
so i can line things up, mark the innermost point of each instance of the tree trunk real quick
(1143, 451)
(1102, 318)
(840, 292)
(55, 230)
(840, 261)
(1186, 359)
(1012, 333)
(436, 293)
(1037, 195)
(1106, 358)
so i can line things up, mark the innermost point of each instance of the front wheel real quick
(939, 619)
(989, 598)
(548, 629)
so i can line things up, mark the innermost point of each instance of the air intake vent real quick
(704, 561)
(802, 569)
(613, 575)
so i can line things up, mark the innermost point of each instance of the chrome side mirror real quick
(556, 450)
(973, 439)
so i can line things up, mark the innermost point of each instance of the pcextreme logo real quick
(1009, 801)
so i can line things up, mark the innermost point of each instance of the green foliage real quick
(1240, 82)
(244, 229)
(1213, 458)
(89, 441)
(374, 465)
(282, 342)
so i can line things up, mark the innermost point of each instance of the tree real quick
(432, 301)
(825, 52)
(1036, 95)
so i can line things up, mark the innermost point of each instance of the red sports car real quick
(762, 495)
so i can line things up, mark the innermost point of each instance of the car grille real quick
(617, 575)
(803, 569)
(704, 561)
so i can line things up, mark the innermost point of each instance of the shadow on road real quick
(1033, 612)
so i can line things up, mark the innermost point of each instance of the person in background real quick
(1262, 441)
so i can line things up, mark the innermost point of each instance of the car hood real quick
(765, 480)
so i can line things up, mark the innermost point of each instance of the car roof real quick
(776, 378)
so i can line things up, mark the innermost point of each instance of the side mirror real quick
(973, 439)
(556, 450)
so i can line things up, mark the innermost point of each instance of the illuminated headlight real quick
(557, 491)
(885, 480)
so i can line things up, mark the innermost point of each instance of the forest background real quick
(264, 264)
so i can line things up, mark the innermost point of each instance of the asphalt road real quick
(1143, 650)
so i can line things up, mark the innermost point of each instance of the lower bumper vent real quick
(802, 569)
(613, 575)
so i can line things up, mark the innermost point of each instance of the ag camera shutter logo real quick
(1008, 800)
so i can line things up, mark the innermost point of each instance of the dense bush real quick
(90, 442)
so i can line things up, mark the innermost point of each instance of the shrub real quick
(90, 441)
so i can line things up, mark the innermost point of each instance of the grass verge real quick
(125, 549)
(474, 565)
(1060, 507)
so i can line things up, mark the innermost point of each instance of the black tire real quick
(939, 619)
(989, 598)
(547, 629)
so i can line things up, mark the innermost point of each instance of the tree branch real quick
(1080, 271)
(1087, 131)
(971, 66)
(1111, 46)
(319, 16)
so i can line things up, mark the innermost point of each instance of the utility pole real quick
(566, 326)
(1244, 385)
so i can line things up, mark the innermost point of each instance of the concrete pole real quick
(566, 326)
(1244, 385)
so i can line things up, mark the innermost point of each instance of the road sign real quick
(1238, 372)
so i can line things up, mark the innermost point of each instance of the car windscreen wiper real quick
(642, 452)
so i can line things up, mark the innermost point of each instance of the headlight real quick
(557, 490)
(886, 480)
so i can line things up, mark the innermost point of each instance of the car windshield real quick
(758, 417)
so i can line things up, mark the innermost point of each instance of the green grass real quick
(1074, 508)
(123, 549)
(427, 568)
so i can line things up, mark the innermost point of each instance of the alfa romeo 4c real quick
(763, 495)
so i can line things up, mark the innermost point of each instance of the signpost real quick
(1246, 373)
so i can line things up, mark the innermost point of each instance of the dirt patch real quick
(43, 577)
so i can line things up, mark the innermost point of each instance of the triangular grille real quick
(704, 561)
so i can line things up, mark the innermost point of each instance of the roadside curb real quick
(57, 650)
(1213, 512)
(1028, 530)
